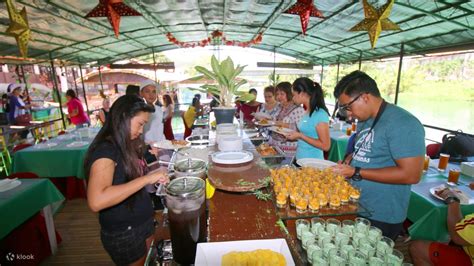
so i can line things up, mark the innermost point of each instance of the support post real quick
(360, 60)
(56, 88)
(337, 74)
(84, 91)
(154, 65)
(24, 79)
(100, 79)
(75, 82)
(399, 74)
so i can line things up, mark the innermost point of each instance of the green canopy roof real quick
(60, 27)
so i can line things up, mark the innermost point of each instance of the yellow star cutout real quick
(376, 20)
(18, 27)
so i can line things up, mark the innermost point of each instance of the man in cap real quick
(153, 130)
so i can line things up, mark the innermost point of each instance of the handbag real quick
(458, 145)
(23, 119)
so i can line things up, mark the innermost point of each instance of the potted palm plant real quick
(224, 74)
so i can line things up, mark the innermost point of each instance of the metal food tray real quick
(273, 159)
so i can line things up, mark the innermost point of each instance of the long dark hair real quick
(314, 90)
(71, 93)
(116, 130)
(167, 100)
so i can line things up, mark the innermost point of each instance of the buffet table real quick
(241, 216)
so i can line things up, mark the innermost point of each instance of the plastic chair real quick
(23, 175)
(432, 150)
(21, 147)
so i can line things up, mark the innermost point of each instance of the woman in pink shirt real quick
(76, 110)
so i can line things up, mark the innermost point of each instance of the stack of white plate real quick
(230, 143)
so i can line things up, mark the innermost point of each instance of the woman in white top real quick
(271, 106)
(288, 117)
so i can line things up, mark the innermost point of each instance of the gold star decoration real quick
(305, 9)
(18, 27)
(375, 21)
(112, 9)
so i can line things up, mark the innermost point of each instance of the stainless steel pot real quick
(190, 167)
(198, 140)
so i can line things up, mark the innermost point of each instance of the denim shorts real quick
(126, 247)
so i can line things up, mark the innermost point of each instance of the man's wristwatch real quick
(356, 176)
(452, 199)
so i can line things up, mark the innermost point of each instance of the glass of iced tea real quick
(443, 161)
(426, 164)
(348, 131)
(453, 176)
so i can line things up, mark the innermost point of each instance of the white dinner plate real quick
(463, 196)
(7, 184)
(77, 144)
(267, 123)
(315, 163)
(281, 130)
(232, 157)
(262, 115)
(45, 145)
(168, 145)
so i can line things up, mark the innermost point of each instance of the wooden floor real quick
(80, 231)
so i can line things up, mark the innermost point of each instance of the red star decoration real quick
(305, 9)
(112, 9)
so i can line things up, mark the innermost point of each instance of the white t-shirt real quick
(153, 130)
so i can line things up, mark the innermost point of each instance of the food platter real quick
(171, 144)
(463, 196)
(315, 163)
(211, 253)
(264, 123)
(281, 130)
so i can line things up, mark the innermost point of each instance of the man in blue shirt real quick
(388, 154)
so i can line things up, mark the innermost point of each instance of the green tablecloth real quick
(339, 141)
(22, 202)
(427, 213)
(57, 161)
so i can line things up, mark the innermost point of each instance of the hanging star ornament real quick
(18, 27)
(375, 21)
(113, 10)
(305, 9)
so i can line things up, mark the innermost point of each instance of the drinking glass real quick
(384, 245)
(317, 223)
(453, 176)
(376, 261)
(357, 258)
(305, 236)
(394, 258)
(362, 225)
(375, 234)
(312, 248)
(333, 226)
(341, 239)
(426, 164)
(348, 227)
(443, 162)
(301, 225)
(336, 257)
